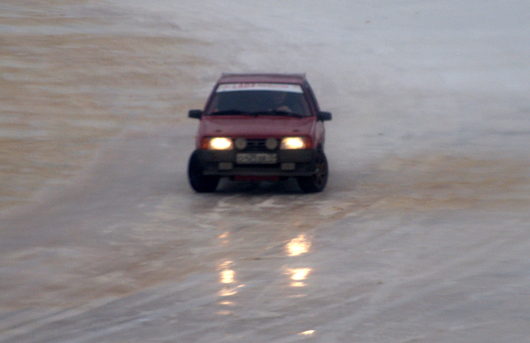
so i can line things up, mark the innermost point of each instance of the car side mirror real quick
(324, 116)
(197, 114)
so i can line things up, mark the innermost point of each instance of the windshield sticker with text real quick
(283, 87)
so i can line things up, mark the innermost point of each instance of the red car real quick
(260, 127)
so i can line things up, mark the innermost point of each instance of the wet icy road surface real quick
(421, 236)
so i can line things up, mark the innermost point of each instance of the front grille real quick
(256, 144)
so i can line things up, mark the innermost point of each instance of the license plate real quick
(256, 158)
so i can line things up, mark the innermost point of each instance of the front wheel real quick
(317, 182)
(198, 181)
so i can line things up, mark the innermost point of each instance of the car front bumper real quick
(288, 163)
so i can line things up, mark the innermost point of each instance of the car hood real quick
(256, 126)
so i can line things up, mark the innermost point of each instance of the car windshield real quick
(236, 99)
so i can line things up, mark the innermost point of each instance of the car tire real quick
(317, 182)
(198, 181)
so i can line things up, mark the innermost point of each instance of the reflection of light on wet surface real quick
(298, 246)
(226, 275)
(227, 303)
(307, 333)
(225, 264)
(224, 313)
(224, 238)
(298, 276)
(229, 291)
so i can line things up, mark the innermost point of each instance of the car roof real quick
(263, 77)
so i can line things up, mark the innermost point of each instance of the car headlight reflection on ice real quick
(292, 143)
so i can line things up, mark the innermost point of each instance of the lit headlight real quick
(290, 143)
(220, 143)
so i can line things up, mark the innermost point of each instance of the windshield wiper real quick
(278, 113)
(227, 112)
